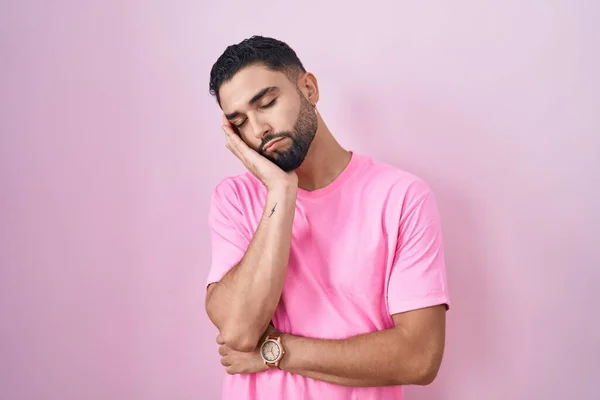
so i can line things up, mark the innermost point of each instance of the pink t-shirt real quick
(364, 247)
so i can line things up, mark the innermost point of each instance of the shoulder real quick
(233, 187)
(396, 183)
(235, 193)
(408, 200)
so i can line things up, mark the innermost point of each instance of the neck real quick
(325, 160)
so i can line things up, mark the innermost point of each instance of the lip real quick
(272, 143)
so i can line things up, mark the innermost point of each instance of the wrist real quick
(283, 186)
(271, 349)
(282, 191)
(288, 343)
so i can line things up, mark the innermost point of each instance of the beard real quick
(301, 138)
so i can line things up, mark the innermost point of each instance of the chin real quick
(290, 165)
(289, 160)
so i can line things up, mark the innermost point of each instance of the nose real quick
(259, 127)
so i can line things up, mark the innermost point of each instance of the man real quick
(327, 278)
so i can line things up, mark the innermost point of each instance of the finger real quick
(225, 121)
(230, 370)
(228, 127)
(234, 143)
(248, 155)
(220, 339)
(223, 350)
(229, 130)
(225, 362)
(233, 139)
(242, 151)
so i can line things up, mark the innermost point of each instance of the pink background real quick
(110, 145)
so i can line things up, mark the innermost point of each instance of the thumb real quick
(220, 339)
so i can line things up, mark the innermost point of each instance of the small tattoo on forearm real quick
(273, 210)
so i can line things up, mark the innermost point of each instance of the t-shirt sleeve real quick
(226, 224)
(418, 273)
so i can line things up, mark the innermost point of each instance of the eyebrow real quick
(254, 99)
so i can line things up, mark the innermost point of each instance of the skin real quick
(326, 158)
(409, 353)
(243, 302)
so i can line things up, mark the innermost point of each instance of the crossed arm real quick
(241, 306)
(408, 354)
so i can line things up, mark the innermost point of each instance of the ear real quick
(310, 87)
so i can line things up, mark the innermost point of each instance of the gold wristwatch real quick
(272, 350)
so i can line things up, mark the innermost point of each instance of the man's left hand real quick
(240, 362)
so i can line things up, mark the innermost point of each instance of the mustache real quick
(274, 136)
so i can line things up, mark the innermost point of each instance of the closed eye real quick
(269, 104)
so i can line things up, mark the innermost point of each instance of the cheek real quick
(284, 119)
(250, 140)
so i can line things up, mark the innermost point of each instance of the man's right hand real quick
(266, 171)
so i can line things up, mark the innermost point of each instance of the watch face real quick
(270, 351)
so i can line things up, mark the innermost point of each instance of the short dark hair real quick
(272, 53)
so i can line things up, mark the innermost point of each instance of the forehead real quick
(246, 83)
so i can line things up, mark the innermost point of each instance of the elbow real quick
(242, 344)
(421, 373)
(427, 372)
(240, 340)
(426, 378)
(236, 336)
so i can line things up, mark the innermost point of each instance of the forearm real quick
(340, 380)
(383, 358)
(243, 302)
